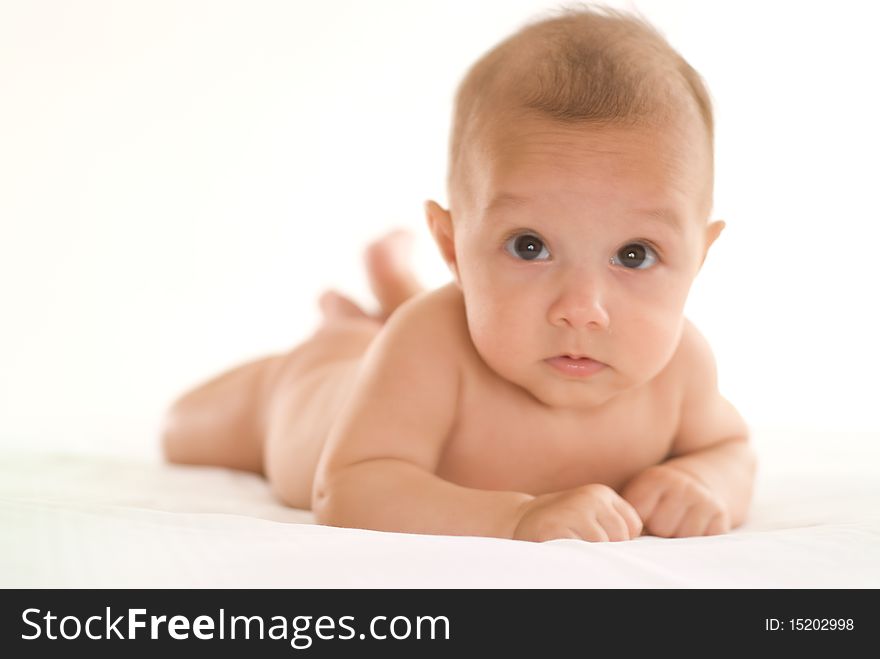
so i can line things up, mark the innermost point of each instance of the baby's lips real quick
(583, 367)
(574, 356)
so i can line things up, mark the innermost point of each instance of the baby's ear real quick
(713, 230)
(441, 227)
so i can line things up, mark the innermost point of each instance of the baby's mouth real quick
(574, 364)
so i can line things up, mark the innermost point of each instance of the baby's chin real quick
(573, 396)
(566, 393)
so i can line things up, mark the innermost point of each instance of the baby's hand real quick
(674, 504)
(590, 512)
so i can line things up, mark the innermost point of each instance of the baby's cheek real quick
(491, 340)
(652, 347)
(501, 347)
(493, 320)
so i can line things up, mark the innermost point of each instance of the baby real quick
(554, 389)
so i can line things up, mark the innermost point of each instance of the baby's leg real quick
(225, 421)
(390, 272)
(216, 423)
(267, 415)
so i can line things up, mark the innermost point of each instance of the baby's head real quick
(580, 185)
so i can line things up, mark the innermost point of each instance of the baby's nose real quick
(581, 305)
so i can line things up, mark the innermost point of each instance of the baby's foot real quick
(390, 271)
(335, 306)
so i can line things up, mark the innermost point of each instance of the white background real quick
(179, 180)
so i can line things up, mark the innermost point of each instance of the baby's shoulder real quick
(694, 348)
(693, 362)
(435, 318)
(428, 333)
(417, 354)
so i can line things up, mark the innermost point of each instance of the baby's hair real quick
(581, 64)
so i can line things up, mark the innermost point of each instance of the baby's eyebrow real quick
(505, 199)
(666, 216)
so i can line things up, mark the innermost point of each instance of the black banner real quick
(287, 623)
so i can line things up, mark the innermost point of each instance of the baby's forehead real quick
(537, 157)
(512, 130)
(671, 214)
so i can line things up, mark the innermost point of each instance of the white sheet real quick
(87, 521)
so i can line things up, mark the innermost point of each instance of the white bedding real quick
(87, 521)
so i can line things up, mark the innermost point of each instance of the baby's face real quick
(582, 242)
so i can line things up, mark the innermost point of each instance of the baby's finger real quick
(666, 517)
(695, 521)
(565, 534)
(719, 524)
(593, 531)
(630, 515)
(614, 524)
(643, 496)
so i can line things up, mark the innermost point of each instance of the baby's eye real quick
(527, 247)
(636, 256)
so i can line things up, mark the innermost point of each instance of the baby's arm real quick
(378, 467)
(706, 484)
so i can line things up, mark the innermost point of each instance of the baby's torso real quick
(504, 439)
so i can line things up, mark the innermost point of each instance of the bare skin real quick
(271, 416)
(443, 413)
